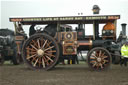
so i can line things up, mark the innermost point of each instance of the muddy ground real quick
(63, 75)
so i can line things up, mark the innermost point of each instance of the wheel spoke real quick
(34, 47)
(43, 63)
(48, 44)
(45, 60)
(101, 66)
(27, 51)
(35, 62)
(104, 57)
(44, 44)
(97, 54)
(35, 43)
(31, 53)
(39, 61)
(92, 58)
(49, 48)
(51, 51)
(30, 49)
(49, 54)
(98, 66)
(41, 39)
(100, 53)
(38, 43)
(94, 64)
(31, 56)
(92, 61)
(49, 58)
(94, 55)
(106, 61)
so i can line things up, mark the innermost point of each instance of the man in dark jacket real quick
(32, 30)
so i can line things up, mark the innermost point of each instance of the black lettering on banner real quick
(32, 19)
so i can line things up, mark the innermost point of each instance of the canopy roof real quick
(65, 19)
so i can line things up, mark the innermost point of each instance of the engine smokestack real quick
(124, 29)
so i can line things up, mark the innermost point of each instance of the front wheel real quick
(40, 51)
(99, 58)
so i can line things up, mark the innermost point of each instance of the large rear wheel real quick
(40, 51)
(99, 58)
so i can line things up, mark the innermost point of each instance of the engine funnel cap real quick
(96, 9)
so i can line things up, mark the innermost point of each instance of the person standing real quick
(124, 53)
(32, 30)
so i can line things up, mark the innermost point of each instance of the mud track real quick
(63, 75)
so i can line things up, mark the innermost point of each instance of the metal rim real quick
(40, 51)
(99, 58)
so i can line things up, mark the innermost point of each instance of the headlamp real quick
(104, 31)
(111, 31)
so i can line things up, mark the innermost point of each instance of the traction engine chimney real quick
(124, 29)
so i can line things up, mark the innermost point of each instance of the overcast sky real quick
(61, 8)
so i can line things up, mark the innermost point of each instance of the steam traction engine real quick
(46, 47)
(8, 48)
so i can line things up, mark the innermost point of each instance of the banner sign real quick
(71, 18)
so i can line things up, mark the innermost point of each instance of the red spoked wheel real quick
(40, 51)
(99, 58)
